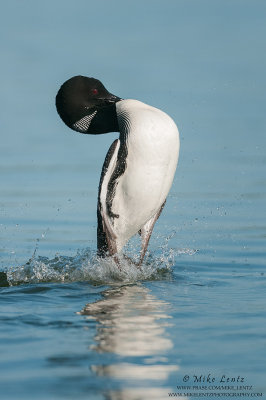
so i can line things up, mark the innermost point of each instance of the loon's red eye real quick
(94, 91)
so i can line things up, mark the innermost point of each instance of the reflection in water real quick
(136, 371)
(142, 394)
(131, 322)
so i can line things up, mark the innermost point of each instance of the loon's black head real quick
(86, 106)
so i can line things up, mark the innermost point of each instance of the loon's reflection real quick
(131, 323)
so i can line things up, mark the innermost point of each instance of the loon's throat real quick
(104, 121)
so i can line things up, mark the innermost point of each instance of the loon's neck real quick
(104, 121)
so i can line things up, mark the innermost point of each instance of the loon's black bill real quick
(111, 99)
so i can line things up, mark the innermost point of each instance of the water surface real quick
(73, 326)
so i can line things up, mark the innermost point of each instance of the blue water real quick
(72, 326)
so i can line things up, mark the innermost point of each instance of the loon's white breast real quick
(152, 142)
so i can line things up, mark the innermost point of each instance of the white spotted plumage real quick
(83, 124)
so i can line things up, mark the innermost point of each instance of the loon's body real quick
(139, 167)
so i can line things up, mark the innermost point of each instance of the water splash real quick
(86, 266)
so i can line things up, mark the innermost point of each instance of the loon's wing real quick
(106, 238)
(146, 232)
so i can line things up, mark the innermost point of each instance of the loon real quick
(139, 167)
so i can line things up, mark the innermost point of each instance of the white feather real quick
(153, 149)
